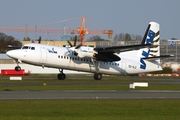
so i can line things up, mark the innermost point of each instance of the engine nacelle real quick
(86, 54)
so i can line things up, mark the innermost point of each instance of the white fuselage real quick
(63, 58)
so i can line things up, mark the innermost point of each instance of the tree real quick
(7, 40)
(121, 36)
(138, 37)
(116, 38)
(26, 39)
(95, 38)
(127, 37)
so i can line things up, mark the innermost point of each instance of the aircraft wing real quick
(117, 49)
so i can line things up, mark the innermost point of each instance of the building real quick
(62, 43)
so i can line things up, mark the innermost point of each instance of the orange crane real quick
(81, 30)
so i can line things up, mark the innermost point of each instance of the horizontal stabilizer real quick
(158, 57)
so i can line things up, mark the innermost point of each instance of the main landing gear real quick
(97, 76)
(61, 75)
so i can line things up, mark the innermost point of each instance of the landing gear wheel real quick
(97, 76)
(17, 68)
(61, 76)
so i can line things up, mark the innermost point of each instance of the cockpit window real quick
(25, 47)
(28, 47)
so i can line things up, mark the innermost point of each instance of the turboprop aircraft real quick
(115, 60)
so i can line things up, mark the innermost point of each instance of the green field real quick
(86, 82)
(88, 109)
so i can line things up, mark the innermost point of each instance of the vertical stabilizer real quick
(152, 36)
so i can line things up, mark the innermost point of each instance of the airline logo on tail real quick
(150, 37)
(153, 37)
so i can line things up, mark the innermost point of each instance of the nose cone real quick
(12, 53)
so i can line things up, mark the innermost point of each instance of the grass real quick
(90, 110)
(84, 82)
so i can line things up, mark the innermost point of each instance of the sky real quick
(121, 16)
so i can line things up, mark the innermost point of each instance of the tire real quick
(17, 68)
(97, 76)
(61, 76)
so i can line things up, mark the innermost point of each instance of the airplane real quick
(114, 60)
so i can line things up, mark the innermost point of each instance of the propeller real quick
(70, 43)
(74, 47)
(77, 47)
(39, 40)
(75, 40)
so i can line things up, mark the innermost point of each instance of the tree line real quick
(6, 40)
(118, 37)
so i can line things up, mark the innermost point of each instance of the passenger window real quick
(32, 48)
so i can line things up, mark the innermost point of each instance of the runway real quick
(88, 95)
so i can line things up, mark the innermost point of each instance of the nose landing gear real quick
(17, 68)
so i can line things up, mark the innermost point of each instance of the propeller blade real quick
(39, 40)
(77, 47)
(75, 40)
(70, 43)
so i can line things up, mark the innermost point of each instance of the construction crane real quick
(81, 30)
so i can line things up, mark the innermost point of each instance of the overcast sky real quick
(122, 16)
